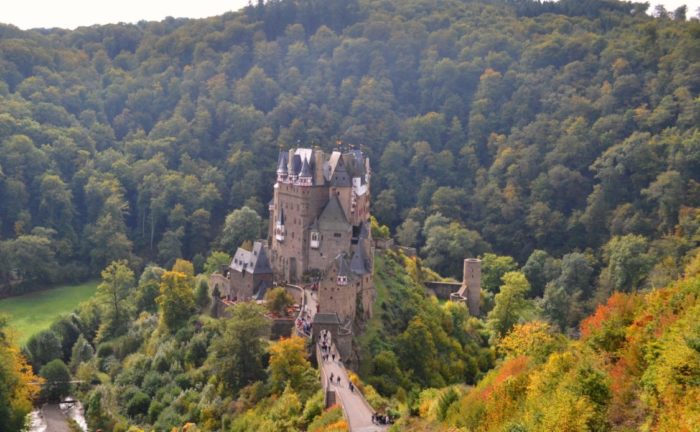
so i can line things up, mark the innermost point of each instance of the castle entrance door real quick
(292, 270)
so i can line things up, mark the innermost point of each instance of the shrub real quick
(138, 405)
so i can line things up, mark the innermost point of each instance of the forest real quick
(558, 142)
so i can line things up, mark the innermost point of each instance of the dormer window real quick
(315, 239)
(341, 280)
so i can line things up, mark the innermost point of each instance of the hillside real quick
(558, 142)
(636, 367)
(529, 126)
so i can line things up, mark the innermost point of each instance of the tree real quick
(216, 261)
(418, 353)
(289, 366)
(57, 378)
(185, 267)
(33, 257)
(240, 225)
(170, 246)
(114, 292)
(493, 268)
(447, 246)
(278, 300)
(201, 296)
(149, 288)
(18, 384)
(534, 339)
(510, 304)
(108, 240)
(55, 206)
(539, 269)
(384, 206)
(238, 350)
(628, 262)
(68, 332)
(667, 193)
(407, 233)
(81, 352)
(176, 300)
(43, 347)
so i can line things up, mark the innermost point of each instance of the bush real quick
(154, 381)
(42, 348)
(278, 300)
(57, 379)
(154, 410)
(197, 350)
(105, 349)
(138, 405)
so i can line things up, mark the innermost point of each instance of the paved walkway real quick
(357, 411)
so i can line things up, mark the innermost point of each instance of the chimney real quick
(471, 285)
(320, 158)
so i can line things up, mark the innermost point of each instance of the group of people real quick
(303, 325)
(327, 351)
(381, 419)
(337, 379)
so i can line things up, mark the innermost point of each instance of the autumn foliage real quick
(635, 367)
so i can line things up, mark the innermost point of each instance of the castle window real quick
(337, 235)
(315, 242)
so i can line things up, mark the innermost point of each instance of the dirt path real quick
(55, 420)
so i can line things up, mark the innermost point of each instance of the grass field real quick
(33, 312)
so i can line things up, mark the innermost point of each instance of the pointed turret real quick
(282, 170)
(359, 262)
(305, 175)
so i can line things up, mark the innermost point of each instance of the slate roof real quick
(305, 169)
(253, 262)
(326, 318)
(282, 162)
(341, 177)
(359, 262)
(296, 165)
(364, 230)
(333, 217)
(260, 290)
(329, 167)
(342, 265)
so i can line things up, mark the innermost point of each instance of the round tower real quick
(471, 284)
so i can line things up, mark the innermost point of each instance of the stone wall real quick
(281, 327)
(218, 280)
(442, 290)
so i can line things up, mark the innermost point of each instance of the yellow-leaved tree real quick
(18, 384)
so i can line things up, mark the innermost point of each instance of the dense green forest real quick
(526, 126)
(558, 141)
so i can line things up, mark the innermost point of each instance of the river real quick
(53, 418)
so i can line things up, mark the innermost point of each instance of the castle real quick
(320, 229)
(319, 234)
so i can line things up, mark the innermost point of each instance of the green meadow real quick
(30, 313)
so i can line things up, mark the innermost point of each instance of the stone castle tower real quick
(470, 290)
(319, 228)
